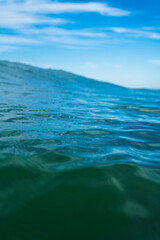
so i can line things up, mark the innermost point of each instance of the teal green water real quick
(79, 159)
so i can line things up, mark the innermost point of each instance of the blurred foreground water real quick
(79, 159)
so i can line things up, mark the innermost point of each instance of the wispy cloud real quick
(66, 37)
(74, 41)
(16, 40)
(48, 6)
(15, 14)
(39, 21)
(13, 19)
(6, 48)
(57, 31)
(143, 32)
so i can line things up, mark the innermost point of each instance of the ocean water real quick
(79, 159)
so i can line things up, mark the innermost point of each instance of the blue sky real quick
(116, 41)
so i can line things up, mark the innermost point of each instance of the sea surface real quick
(79, 159)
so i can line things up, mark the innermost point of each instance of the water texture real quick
(79, 159)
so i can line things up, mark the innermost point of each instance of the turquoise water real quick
(79, 159)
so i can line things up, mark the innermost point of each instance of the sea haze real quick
(79, 158)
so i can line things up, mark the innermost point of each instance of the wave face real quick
(79, 159)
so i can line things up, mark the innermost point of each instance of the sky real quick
(116, 41)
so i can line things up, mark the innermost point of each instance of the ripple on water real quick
(79, 159)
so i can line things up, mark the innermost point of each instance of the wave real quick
(79, 158)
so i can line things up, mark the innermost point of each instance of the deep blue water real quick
(79, 159)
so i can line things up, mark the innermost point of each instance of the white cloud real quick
(48, 6)
(59, 36)
(72, 40)
(6, 48)
(18, 20)
(9, 39)
(154, 35)
(137, 33)
(150, 28)
(15, 14)
(57, 7)
(57, 31)
(66, 37)
(119, 29)
(23, 17)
